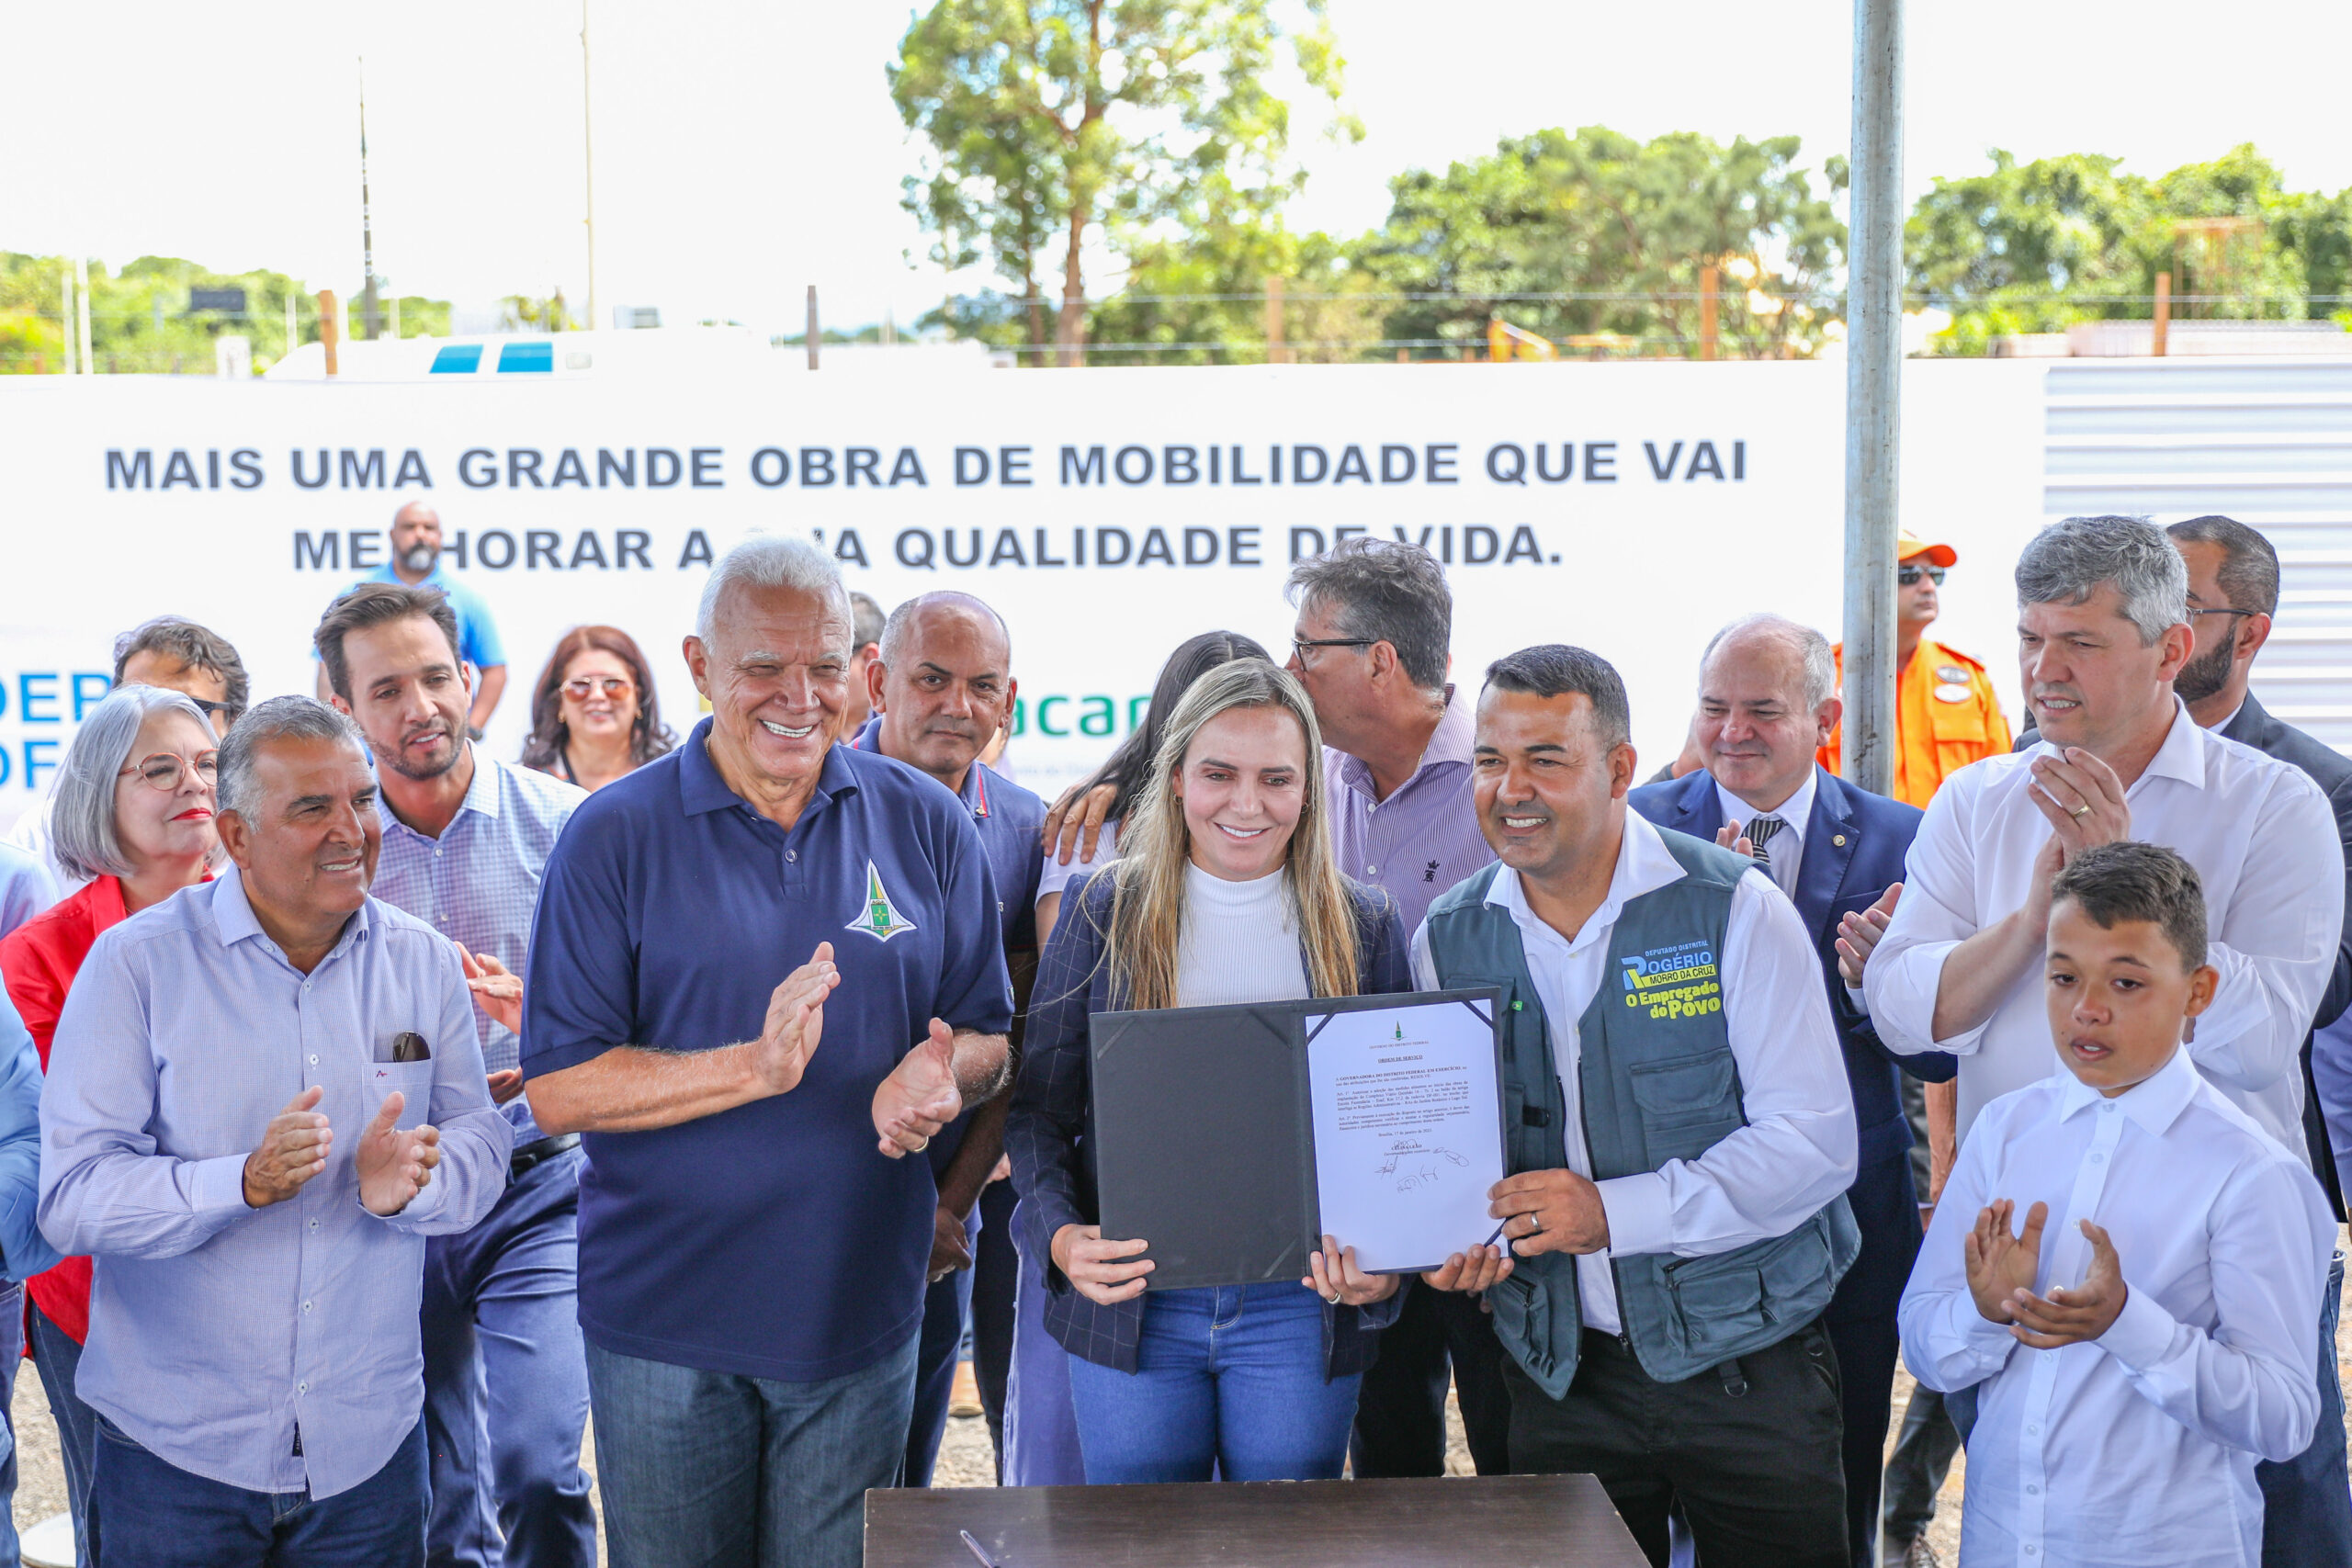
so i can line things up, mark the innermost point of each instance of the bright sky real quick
(744, 151)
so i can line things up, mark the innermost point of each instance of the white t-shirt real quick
(1057, 877)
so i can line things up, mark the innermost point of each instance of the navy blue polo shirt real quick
(1011, 824)
(772, 1239)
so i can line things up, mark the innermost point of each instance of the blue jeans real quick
(12, 1350)
(1228, 1380)
(152, 1514)
(721, 1470)
(945, 1306)
(59, 1356)
(2306, 1501)
(506, 1383)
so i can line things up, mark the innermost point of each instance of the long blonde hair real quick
(1147, 900)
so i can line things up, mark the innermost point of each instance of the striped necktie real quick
(1758, 833)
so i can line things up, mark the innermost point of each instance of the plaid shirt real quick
(1046, 1133)
(478, 883)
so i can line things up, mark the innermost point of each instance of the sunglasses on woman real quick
(613, 688)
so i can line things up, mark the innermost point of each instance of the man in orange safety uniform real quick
(1946, 716)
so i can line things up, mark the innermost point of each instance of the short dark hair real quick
(2132, 880)
(1389, 592)
(197, 647)
(865, 621)
(1553, 669)
(2249, 573)
(375, 604)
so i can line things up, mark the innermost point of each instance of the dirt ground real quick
(965, 1459)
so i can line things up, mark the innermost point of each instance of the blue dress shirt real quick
(772, 1239)
(273, 1349)
(25, 887)
(23, 1252)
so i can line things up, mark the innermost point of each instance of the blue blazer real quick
(1855, 843)
(1047, 1136)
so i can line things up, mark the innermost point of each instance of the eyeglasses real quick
(209, 708)
(1908, 576)
(613, 688)
(2194, 613)
(1298, 646)
(165, 771)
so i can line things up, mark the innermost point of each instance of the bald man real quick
(416, 549)
(942, 689)
(1768, 696)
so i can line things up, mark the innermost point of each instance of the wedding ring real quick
(1533, 1224)
(2078, 812)
(920, 1147)
(1332, 1300)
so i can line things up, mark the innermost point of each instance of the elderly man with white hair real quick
(764, 969)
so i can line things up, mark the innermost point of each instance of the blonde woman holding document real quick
(1225, 892)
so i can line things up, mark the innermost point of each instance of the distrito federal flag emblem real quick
(879, 917)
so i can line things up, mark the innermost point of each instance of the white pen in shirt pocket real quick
(403, 1060)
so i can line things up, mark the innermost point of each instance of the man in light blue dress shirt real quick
(265, 1093)
(23, 1252)
(466, 838)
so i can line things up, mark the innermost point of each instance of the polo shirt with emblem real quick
(772, 1239)
(1011, 824)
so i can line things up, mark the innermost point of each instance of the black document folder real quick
(1204, 1135)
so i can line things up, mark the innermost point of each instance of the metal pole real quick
(81, 312)
(367, 224)
(1874, 393)
(813, 326)
(588, 163)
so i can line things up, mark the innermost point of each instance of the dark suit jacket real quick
(1048, 1137)
(1854, 847)
(2332, 771)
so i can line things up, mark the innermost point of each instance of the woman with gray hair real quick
(134, 813)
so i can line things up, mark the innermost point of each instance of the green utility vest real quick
(1657, 1082)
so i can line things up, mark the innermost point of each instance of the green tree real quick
(2036, 246)
(1050, 123)
(1598, 213)
(142, 319)
(1202, 295)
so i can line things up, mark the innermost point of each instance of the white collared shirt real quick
(1786, 852)
(2137, 1448)
(1796, 1152)
(2264, 842)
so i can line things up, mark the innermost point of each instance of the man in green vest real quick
(1680, 1132)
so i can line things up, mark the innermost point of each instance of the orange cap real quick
(1907, 546)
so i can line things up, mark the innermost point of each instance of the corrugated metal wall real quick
(2266, 441)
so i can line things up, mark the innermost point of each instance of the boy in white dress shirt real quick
(2119, 1419)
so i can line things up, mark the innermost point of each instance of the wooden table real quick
(1503, 1521)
